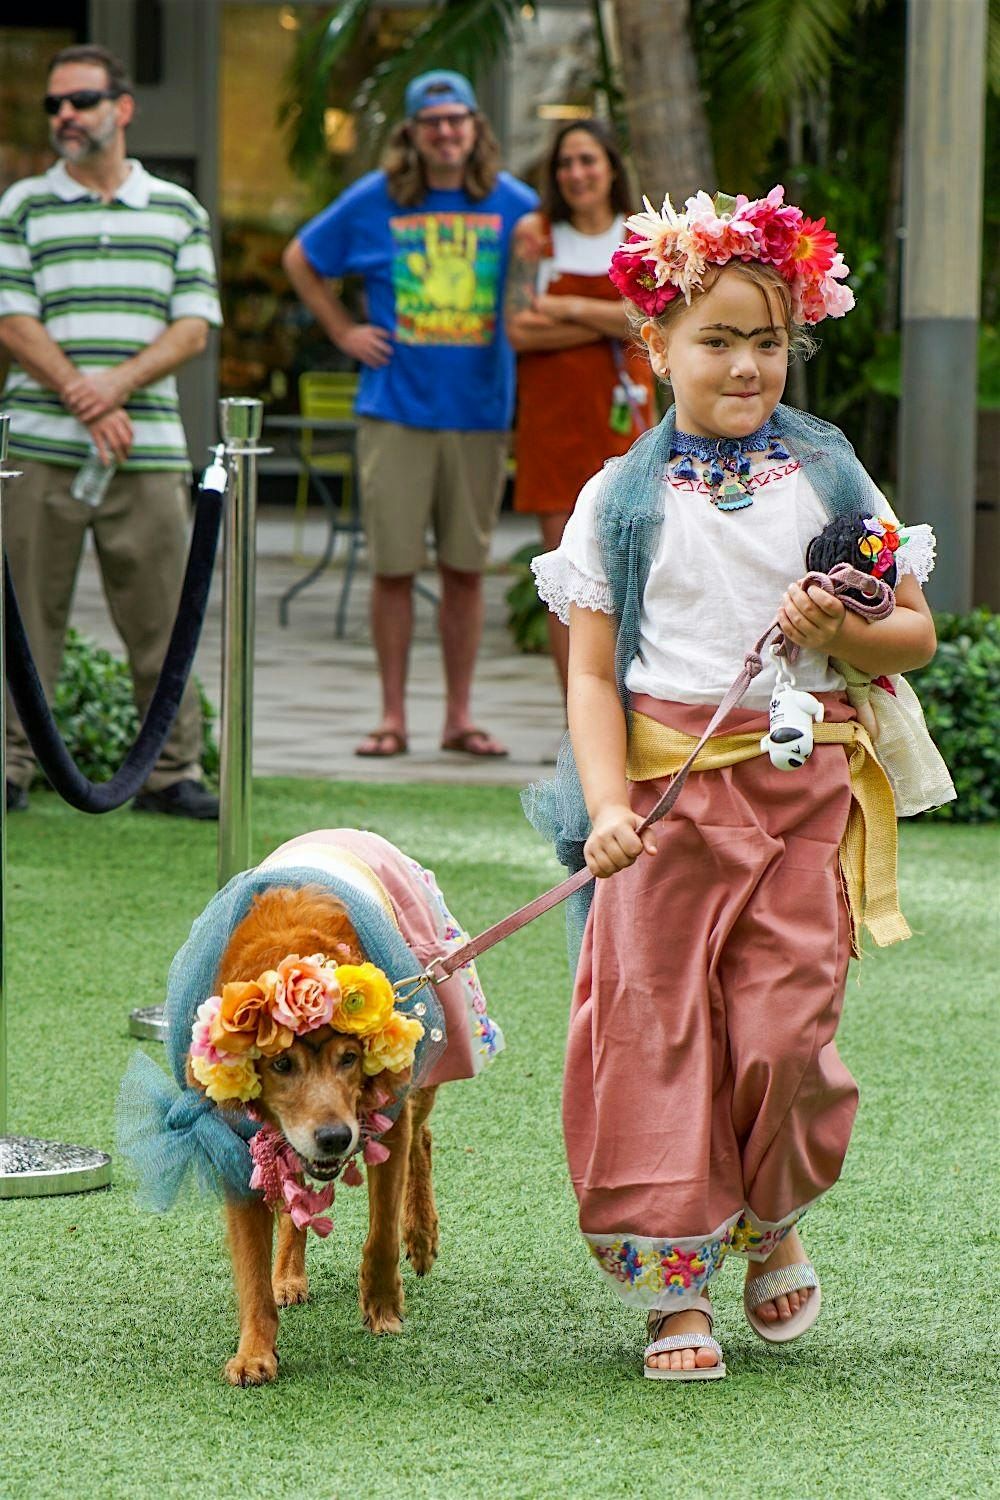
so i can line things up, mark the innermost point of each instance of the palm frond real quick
(993, 48)
(787, 46)
(466, 35)
(308, 77)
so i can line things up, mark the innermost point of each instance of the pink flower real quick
(201, 1045)
(277, 1175)
(720, 237)
(837, 298)
(305, 993)
(815, 297)
(777, 223)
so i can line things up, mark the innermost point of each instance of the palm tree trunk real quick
(668, 125)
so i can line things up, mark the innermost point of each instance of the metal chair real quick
(323, 393)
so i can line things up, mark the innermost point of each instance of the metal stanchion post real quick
(30, 1168)
(240, 424)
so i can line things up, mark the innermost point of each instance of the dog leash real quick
(876, 603)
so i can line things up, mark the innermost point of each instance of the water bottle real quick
(91, 480)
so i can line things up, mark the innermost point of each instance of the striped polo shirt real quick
(105, 280)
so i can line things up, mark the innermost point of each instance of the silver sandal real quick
(683, 1341)
(778, 1283)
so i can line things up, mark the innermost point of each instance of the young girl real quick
(705, 1106)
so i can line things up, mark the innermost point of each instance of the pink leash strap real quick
(879, 602)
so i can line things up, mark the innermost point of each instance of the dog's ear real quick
(192, 1081)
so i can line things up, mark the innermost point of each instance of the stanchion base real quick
(148, 1022)
(41, 1169)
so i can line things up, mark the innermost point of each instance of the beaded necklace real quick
(728, 461)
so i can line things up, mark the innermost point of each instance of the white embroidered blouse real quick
(715, 582)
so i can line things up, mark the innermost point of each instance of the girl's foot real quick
(788, 1253)
(665, 1325)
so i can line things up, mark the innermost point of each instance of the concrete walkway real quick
(317, 697)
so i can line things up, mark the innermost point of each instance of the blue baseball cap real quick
(439, 87)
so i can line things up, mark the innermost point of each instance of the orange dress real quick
(562, 434)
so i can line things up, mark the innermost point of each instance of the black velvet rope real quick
(36, 716)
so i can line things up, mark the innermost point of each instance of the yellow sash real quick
(868, 848)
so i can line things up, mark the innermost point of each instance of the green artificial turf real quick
(519, 1372)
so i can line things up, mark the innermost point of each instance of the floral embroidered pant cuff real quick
(705, 1105)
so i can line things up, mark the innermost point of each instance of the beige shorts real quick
(414, 479)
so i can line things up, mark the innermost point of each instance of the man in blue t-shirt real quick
(429, 235)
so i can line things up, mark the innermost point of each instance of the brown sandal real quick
(381, 743)
(474, 742)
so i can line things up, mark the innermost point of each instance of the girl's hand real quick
(613, 844)
(812, 617)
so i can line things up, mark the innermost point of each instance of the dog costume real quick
(397, 910)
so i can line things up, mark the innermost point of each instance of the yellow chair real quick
(329, 394)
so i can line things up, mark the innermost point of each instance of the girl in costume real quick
(705, 1105)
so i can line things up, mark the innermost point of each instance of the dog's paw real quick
(421, 1248)
(382, 1318)
(252, 1369)
(290, 1290)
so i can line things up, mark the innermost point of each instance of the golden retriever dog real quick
(315, 1093)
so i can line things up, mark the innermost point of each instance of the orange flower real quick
(245, 1024)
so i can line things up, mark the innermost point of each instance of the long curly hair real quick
(404, 169)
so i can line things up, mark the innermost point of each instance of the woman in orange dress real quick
(583, 393)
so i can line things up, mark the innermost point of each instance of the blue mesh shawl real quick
(165, 1127)
(629, 516)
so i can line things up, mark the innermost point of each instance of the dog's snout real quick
(333, 1140)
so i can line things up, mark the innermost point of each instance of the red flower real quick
(813, 251)
(779, 224)
(635, 278)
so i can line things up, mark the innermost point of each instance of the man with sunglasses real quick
(429, 235)
(107, 287)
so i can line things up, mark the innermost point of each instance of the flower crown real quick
(262, 1017)
(665, 254)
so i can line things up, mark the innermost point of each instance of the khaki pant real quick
(141, 535)
(415, 478)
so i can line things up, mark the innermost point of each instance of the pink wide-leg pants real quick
(705, 1105)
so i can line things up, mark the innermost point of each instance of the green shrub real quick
(95, 712)
(960, 690)
(525, 611)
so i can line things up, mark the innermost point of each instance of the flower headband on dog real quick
(262, 1017)
(665, 254)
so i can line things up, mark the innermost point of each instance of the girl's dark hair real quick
(554, 205)
(837, 543)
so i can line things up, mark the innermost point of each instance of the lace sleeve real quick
(915, 553)
(561, 583)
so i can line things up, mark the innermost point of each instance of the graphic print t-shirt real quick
(434, 281)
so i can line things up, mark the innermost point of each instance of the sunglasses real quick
(80, 99)
(439, 122)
